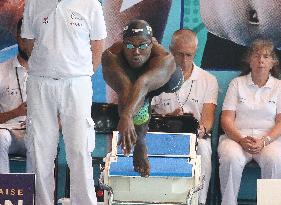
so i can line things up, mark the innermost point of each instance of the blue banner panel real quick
(17, 189)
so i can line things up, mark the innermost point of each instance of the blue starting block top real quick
(166, 144)
(159, 167)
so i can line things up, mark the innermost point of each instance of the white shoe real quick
(64, 201)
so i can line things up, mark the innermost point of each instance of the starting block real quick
(175, 171)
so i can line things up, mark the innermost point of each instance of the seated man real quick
(138, 69)
(197, 95)
(13, 75)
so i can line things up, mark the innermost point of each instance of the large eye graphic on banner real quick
(233, 25)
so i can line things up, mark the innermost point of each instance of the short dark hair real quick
(260, 44)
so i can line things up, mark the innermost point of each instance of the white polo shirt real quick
(255, 108)
(62, 32)
(10, 97)
(200, 88)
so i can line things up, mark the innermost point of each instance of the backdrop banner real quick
(17, 189)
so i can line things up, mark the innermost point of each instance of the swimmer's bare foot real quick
(141, 162)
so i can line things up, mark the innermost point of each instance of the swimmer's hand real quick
(128, 135)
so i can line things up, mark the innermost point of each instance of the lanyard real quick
(19, 84)
(178, 97)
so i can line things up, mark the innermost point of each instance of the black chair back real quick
(105, 117)
(173, 124)
(106, 120)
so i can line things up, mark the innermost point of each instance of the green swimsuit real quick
(143, 114)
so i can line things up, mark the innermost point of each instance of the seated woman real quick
(251, 119)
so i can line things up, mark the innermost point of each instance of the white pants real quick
(71, 98)
(233, 159)
(10, 145)
(204, 149)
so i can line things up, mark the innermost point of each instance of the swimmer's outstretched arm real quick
(115, 76)
(159, 69)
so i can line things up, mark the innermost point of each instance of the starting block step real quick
(168, 144)
(159, 167)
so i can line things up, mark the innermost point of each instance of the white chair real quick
(269, 192)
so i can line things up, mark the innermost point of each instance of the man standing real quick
(65, 39)
(13, 74)
(197, 95)
(138, 69)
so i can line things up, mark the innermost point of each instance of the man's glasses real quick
(142, 46)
